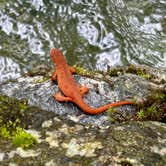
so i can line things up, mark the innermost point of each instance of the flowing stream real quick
(92, 33)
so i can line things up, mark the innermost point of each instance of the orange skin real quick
(72, 91)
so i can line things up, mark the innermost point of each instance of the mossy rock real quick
(14, 118)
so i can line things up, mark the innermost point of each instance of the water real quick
(92, 33)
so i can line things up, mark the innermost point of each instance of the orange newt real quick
(72, 91)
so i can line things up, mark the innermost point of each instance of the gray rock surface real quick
(123, 87)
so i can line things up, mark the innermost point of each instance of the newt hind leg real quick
(60, 98)
(84, 90)
(72, 69)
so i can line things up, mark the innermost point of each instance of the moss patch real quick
(130, 69)
(13, 119)
(13, 111)
(152, 109)
(23, 139)
(82, 71)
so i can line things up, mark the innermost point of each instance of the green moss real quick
(19, 137)
(130, 69)
(146, 76)
(153, 108)
(8, 129)
(42, 79)
(23, 139)
(82, 71)
(12, 110)
(137, 70)
(4, 132)
(141, 114)
(111, 112)
(159, 96)
(13, 120)
(114, 72)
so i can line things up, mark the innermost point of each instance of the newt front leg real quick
(54, 76)
(84, 90)
(72, 69)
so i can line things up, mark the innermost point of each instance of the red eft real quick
(71, 90)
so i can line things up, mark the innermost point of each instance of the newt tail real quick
(71, 90)
(89, 110)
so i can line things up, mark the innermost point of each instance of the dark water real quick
(91, 33)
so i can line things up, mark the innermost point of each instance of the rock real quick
(66, 143)
(39, 93)
(67, 136)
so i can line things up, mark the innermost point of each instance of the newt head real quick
(57, 56)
